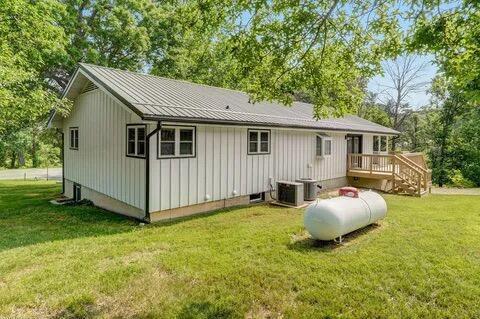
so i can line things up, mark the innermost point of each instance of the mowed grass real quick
(422, 261)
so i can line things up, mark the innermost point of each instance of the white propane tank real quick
(331, 218)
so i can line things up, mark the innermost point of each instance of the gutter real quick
(273, 125)
(147, 172)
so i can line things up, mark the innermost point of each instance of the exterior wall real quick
(105, 202)
(100, 163)
(222, 169)
(367, 147)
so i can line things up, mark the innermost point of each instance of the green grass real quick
(422, 261)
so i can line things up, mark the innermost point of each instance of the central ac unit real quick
(290, 193)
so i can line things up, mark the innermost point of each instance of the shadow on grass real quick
(306, 243)
(27, 217)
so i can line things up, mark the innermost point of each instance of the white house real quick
(155, 148)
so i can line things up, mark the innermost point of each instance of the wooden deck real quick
(407, 172)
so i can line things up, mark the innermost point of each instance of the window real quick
(136, 140)
(323, 145)
(258, 141)
(383, 143)
(328, 147)
(176, 142)
(74, 138)
(379, 143)
(376, 143)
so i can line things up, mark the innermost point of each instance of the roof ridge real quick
(170, 79)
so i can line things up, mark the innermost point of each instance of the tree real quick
(466, 146)
(451, 32)
(448, 106)
(403, 76)
(372, 111)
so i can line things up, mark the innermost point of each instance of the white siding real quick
(222, 166)
(367, 147)
(100, 162)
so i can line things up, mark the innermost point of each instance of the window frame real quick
(259, 131)
(177, 142)
(324, 139)
(70, 130)
(136, 126)
(378, 143)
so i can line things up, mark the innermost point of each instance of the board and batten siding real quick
(100, 163)
(222, 167)
(367, 147)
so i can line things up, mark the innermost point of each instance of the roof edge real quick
(110, 90)
(240, 123)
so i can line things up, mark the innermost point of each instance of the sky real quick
(417, 99)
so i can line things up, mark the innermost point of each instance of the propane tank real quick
(332, 218)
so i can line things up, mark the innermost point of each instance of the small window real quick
(258, 141)
(383, 143)
(176, 142)
(328, 147)
(379, 143)
(323, 145)
(319, 148)
(376, 143)
(74, 138)
(136, 140)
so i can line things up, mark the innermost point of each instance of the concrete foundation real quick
(199, 208)
(105, 202)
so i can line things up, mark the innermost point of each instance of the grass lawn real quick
(81, 262)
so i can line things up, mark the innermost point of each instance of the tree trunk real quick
(34, 153)
(13, 159)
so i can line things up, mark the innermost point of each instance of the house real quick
(155, 148)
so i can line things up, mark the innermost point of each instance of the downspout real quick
(63, 161)
(147, 172)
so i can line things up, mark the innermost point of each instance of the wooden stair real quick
(409, 178)
(407, 173)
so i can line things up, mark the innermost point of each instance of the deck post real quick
(419, 185)
(370, 158)
(393, 173)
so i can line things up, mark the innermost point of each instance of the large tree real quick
(451, 31)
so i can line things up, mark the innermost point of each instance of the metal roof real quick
(157, 98)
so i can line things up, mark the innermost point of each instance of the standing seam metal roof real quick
(154, 97)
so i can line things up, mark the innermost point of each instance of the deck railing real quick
(409, 171)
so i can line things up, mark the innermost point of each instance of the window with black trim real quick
(258, 141)
(380, 143)
(323, 145)
(176, 141)
(376, 143)
(74, 138)
(136, 140)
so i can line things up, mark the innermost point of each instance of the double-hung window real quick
(379, 143)
(176, 142)
(323, 145)
(258, 142)
(74, 138)
(136, 140)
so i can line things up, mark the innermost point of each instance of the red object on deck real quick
(348, 191)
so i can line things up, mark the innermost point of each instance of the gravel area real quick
(455, 191)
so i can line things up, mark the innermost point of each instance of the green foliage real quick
(453, 36)
(466, 145)
(458, 180)
(24, 51)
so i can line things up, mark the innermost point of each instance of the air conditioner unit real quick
(309, 188)
(290, 193)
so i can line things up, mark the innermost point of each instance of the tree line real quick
(320, 51)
